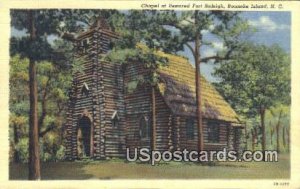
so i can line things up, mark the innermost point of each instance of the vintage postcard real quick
(149, 94)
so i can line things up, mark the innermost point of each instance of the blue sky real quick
(272, 28)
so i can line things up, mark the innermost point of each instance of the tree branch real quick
(217, 57)
(50, 128)
(206, 59)
(44, 104)
(68, 36)
(191, 48)
(173, 25)
(188, 21)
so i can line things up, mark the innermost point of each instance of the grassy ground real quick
(117, 169)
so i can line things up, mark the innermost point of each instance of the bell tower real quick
(87, 96)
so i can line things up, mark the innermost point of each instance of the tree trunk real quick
(277, 132)
(246, 136)
(44, 110)
(271, 133)
(288, 139)
(263, 129)
(277, 138)
(198, 86)
(34, 159)
(256, 136)
(253, 139)
(153, 145)
(16, 141)
(283, 136)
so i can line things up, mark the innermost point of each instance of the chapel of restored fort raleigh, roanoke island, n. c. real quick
(104, 118)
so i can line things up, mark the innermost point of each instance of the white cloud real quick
(204, 32)
(219, 46)
(211, 27)
(266, 23)
(208, 52)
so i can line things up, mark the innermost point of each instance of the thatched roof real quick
(177, 86)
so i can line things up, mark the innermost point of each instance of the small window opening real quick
(144, 127)
(213, 132)
(85, 90)
(190, 128)
(85, 45)
(115, 119)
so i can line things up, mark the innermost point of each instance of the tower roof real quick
(100, 23)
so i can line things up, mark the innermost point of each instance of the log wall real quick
(192, 144)
(103, 99)
(138, 104)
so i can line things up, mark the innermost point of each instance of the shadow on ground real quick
(51, 171)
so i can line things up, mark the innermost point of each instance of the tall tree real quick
(277, 132)
(256, 78)
(38, 24)
(190, 28)
(36, 48)
(34, 159)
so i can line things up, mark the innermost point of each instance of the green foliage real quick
(279, 114)
(123, 55)
(53, 86)
(142, 55)
(172, 32)
(37, 50)
(60, 154)
(22, 149)
(18, 85)
(256, 76)
(176, 30)
(133, 84)
(271, 120)
(51, 147)
(257, 79)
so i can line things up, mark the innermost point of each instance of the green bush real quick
(22, 149)
(60, 154)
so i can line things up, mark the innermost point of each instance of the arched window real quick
(190, 128)
(115, 119)
(84, 137)
(213, 132)
(85, 44)
(144, 127)
(85, 89)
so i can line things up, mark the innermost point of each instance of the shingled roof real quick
(177, 86)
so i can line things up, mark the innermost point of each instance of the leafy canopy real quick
(256, 77)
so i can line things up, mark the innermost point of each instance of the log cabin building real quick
(104, 117)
